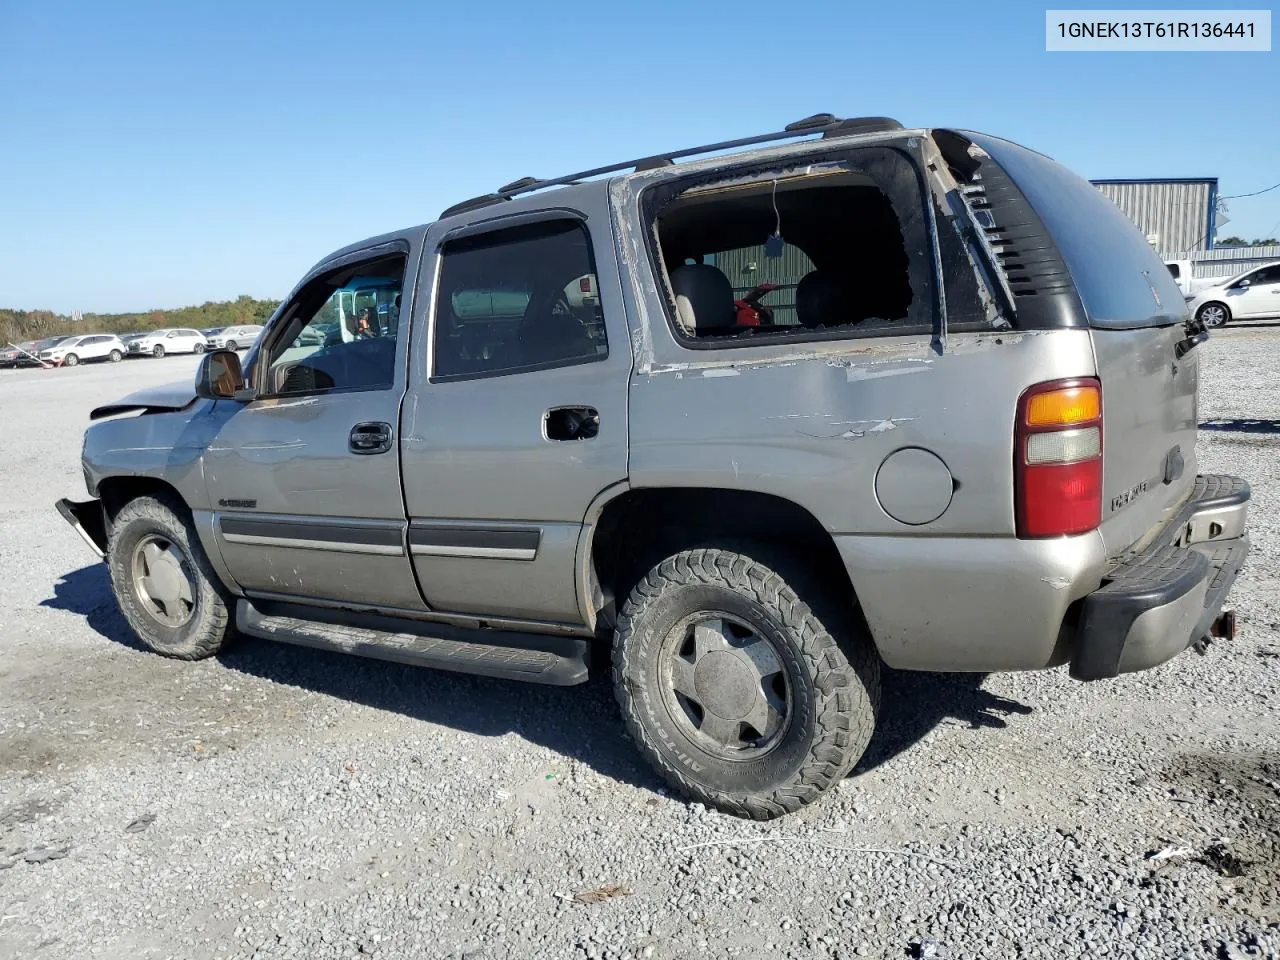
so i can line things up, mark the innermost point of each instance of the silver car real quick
(233, 338)
(741, 423)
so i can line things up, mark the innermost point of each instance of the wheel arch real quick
(116, 491)
(627, 530)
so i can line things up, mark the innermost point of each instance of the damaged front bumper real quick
(87, 518)
(1154, 605)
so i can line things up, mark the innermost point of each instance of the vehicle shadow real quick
(1242, 425)
(579, 722)
(912, 704)
(582, 722)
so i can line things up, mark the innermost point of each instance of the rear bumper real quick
(1155, 604)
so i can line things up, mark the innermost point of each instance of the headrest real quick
(821, 299)
(704, 297)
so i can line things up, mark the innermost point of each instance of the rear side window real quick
(1120, 279)
(523, 298)
(838, 247)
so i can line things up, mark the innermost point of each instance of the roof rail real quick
(826, 124)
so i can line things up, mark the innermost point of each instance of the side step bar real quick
(534, 658)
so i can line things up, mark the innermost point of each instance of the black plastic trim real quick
(88, 519)
(499, 538)
(303, 530)
(1108, 614)
(1045, 296)
(1158, 575)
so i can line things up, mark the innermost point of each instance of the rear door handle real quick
(571, 423)
(367, 438)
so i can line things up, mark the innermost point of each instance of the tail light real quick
(1057, 458)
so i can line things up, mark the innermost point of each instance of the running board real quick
(534, 658)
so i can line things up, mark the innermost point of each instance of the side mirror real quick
(220, 377)
(1244, 284)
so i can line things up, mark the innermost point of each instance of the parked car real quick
(1252, 295)
(984, 466)
(1183, 273)
(19, 354)
(157, 343)
(233, 338)
(84, 349)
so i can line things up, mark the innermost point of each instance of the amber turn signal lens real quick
(1064, 406)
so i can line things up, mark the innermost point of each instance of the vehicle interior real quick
(516, 298)
(816, 249)
(341, 333)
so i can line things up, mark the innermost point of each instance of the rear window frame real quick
(654, 197)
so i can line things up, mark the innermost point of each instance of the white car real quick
(1183, 273)
(1247, 296)
(234, 338)
(174, 340)
(93, 346)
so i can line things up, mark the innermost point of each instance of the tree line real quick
(17, 326)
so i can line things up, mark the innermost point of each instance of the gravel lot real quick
(278, 802)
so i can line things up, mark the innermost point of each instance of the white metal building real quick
(1177, 215)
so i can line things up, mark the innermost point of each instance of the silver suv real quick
(745, 427)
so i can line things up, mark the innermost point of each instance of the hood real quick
(172, 396)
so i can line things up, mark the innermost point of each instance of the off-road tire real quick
(211, 624)
(157, 350)
(832, 666)
(1211, 308)
(70, 360)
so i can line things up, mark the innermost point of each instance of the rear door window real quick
(517, 299)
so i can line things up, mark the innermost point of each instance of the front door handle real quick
(367, 438)
(571, 423)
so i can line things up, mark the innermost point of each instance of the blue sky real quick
(162, 154)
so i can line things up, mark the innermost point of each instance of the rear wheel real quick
(735, 690)
(158, 350)
(115, 356)
(163, 582)
(1213, 314)
(70, 360)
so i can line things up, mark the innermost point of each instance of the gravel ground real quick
(278, 802)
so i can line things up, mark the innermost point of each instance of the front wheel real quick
(231, 345)
(735, 690)
(163, 581)
(158, 351)
(115, 356)
(198, 348)
(70, 360)
(1213, 314)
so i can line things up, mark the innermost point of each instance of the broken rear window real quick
(838, 248)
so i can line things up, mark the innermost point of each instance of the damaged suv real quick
(953, 430)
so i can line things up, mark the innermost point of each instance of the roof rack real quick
(826, 124)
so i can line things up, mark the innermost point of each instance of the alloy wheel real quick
(726, 686)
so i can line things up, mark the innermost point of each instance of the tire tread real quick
(846, 675)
